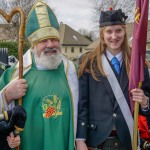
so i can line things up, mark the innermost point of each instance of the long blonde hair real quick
(91, 62)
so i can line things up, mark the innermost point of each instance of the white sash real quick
(118, 94)
(72, 78)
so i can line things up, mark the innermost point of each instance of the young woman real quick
(104, 117)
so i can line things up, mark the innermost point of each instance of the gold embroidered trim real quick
(3, 105)
(43, 33)
(6, 115)
(18, 129)
(67, 68)
(4, 101)
(42, 15)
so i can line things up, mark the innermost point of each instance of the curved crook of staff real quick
(21, 37)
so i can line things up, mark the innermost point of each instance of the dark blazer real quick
(99, 112)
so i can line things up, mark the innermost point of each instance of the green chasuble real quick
(48, 104)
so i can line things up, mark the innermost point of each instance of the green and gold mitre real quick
(41, 24)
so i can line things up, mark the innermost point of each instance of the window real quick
(80, 49)
(72, 49)
(65, 49)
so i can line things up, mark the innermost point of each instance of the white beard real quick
(48, 61)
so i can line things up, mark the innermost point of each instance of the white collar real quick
(119, 56)
(39, 67)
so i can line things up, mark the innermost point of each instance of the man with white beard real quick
(49, 88)
(50, 61)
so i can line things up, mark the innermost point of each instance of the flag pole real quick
(135, 127)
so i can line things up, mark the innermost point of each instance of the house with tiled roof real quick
(73, 43)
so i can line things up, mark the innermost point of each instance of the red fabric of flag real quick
(138, 46)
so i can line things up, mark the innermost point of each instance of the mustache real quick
(51, 49)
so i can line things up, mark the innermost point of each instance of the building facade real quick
(73, 43)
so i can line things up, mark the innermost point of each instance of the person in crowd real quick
(11, 123)
(105, 120)
(144, 125)
(144, 132)
(49, 87)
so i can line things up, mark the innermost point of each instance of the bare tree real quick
(7, 6)
(10, 31)
(88, 34)
(3, 6)
(127, 6)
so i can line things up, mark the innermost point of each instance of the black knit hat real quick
(112, 17)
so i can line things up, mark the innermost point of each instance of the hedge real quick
(13, 47)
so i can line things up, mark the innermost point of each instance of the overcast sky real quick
(75, 13)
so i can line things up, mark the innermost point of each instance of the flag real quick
(136, 74)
